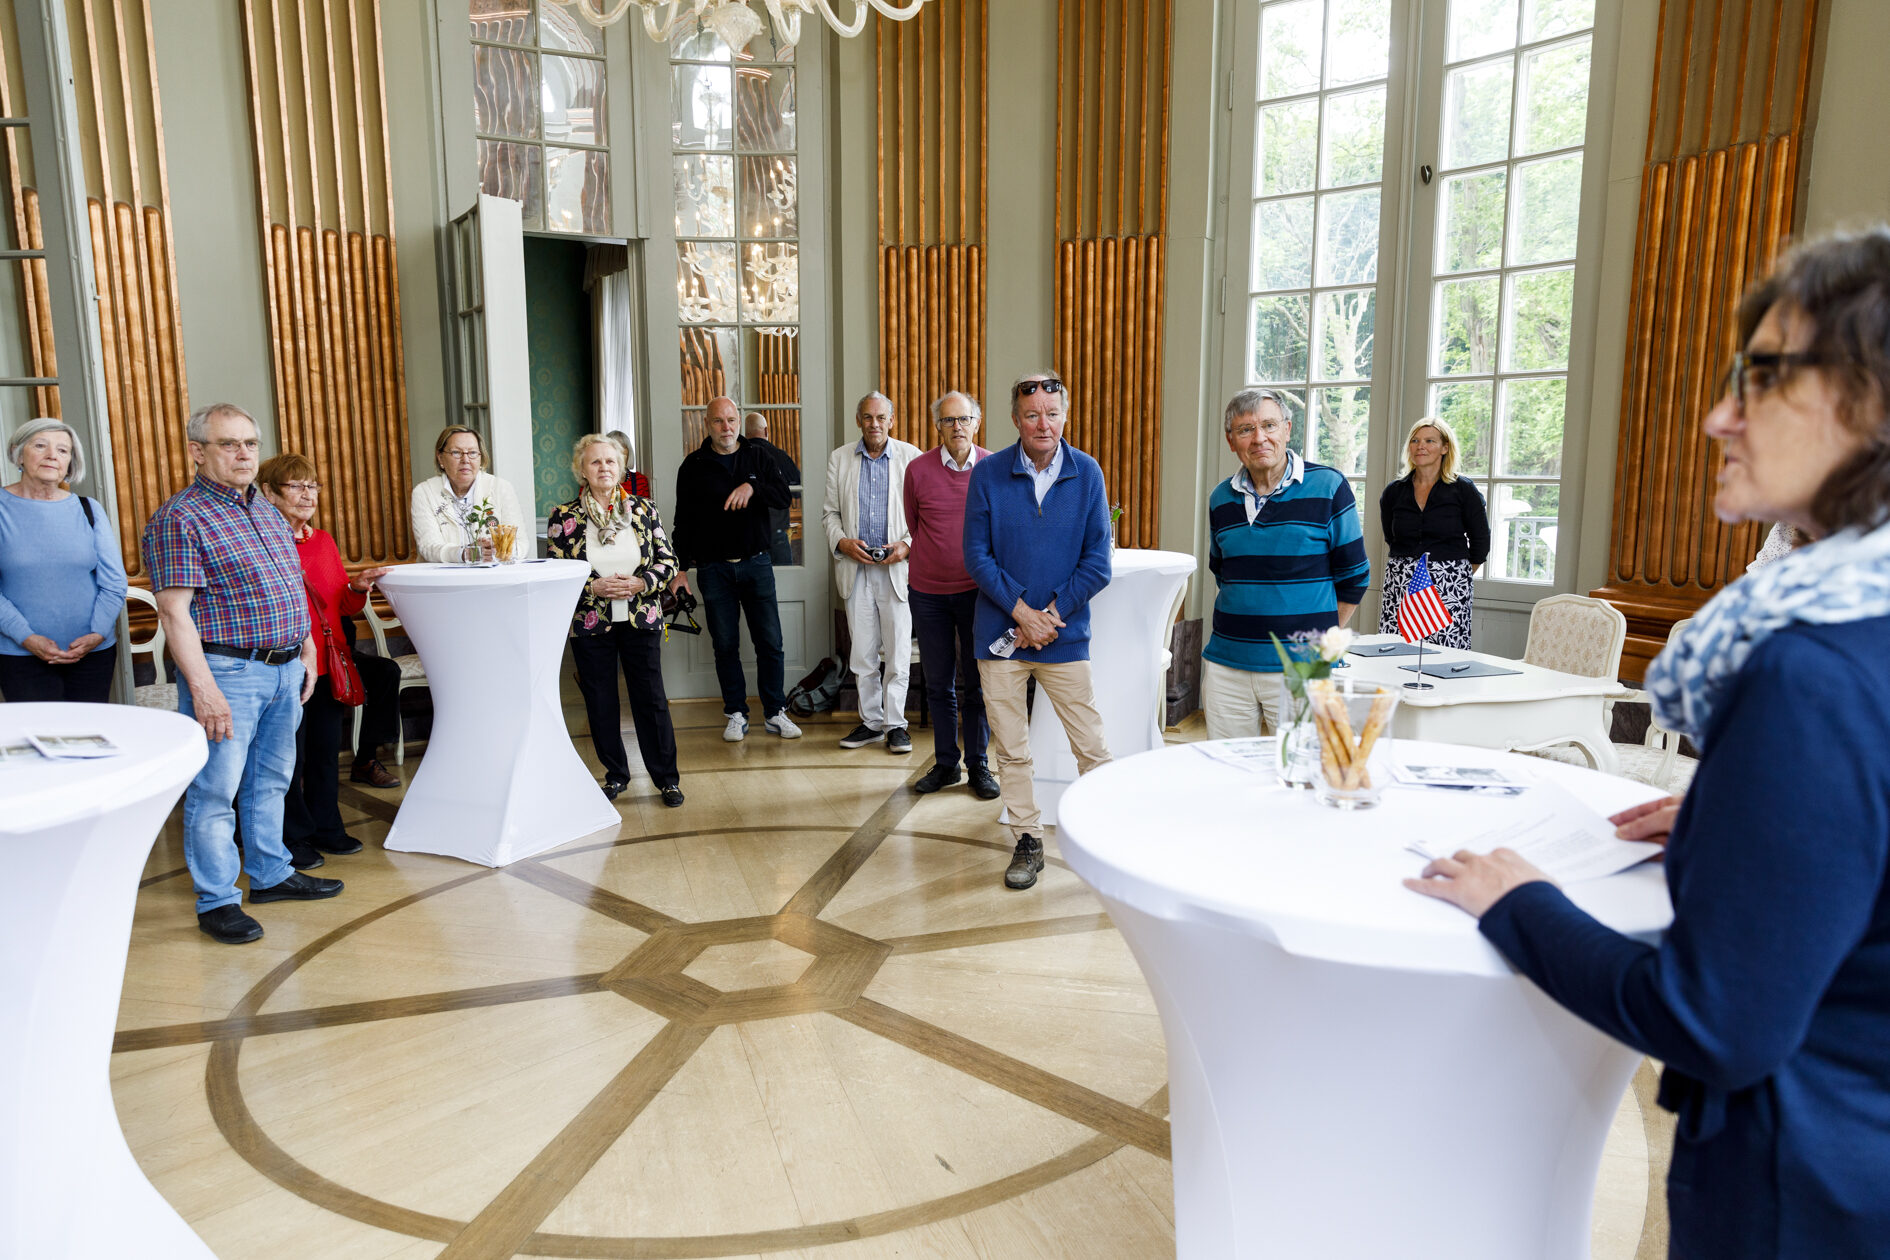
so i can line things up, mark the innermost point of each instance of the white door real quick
(491, 356)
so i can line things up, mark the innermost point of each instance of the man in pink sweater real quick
(944, 598)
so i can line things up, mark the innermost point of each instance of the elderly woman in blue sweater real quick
(1769, 999)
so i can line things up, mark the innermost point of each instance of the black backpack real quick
(816, 692)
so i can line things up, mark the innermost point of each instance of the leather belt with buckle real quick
(268, 656)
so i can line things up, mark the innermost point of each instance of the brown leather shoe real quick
(372, 773)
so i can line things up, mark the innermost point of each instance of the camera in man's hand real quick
(878, 554)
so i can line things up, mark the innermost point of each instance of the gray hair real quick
(1069, 399)
(198, 430)
(868, 396)
(977, 412)
(33, 428)
(1247, 402)
(752, 422)
(589, 440)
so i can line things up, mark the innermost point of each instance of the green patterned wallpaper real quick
(558, 317)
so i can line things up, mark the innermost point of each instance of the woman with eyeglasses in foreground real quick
(444, 509)
(1768, 1001)
(311, 814)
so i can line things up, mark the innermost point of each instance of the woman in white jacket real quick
(440, 504)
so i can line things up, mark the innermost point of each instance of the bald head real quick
(755, 425)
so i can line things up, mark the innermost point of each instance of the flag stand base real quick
(1420, 686)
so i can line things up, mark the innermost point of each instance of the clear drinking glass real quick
(1354, 724)
(504, 537)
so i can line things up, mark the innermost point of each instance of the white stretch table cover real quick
(74, 837)
(1347, 1060)
(1522, 710)
(500, 780)
(1128, 632)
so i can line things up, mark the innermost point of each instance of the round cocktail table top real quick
(157, 749)
(464, 577)
(1179, 836)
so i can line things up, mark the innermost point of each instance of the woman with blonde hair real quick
(619, 616)
(1431, 511)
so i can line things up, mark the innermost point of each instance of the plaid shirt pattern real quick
(237, 552)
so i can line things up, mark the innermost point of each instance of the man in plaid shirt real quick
(235, 614)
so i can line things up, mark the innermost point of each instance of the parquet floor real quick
(796, 1017)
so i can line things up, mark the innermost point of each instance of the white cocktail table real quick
(1528, 709)
(1129, 625)
(74, 836)
(1344, 1055)
(500, 780)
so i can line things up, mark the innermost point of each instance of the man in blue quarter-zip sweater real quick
(1037, 545)
(1285, 546)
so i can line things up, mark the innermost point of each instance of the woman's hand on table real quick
(1473, 882)
(364, 580)
(1651, 821)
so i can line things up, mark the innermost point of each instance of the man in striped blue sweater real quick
(1286, 547)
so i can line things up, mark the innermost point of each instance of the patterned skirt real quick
(1452, 580)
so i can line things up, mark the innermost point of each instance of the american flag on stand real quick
(1421, 613)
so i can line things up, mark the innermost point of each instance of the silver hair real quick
(1248, 401)
(977, 412)
(752, 421)
(589, 440)
(871, 394)
(31, 429)
(198, 430)
(1069, 399)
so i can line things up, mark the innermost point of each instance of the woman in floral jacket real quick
(619, 616)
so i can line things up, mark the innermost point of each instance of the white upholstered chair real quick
(161, 694)
(1574, 634)
(412, 674)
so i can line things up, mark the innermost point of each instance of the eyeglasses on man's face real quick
(1024, 389)
(1754, 374)
(1247, 429)
(231, 446)
(958, 422)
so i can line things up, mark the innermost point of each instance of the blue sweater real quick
(1287, 572)
(1769, 999)
(58, 576)
(1015, 549)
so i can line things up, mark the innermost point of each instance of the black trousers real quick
(640, 652)
(948, 650)
(88, 679)
(380, 712)
(311, 811)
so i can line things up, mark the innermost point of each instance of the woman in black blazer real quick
(1432, 511)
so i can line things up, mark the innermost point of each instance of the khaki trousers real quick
(1066, 685)
(1240, 704)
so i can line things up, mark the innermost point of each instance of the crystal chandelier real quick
(735, 21)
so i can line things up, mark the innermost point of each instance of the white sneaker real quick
(737, 728)
(783, 725)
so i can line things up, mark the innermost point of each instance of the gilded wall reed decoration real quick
(932, 146)
(1719, 198)
(34, 296)
(325, 196)
(1112, 228)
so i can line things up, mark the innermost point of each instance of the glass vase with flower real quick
(1303, 658)
(480, 518)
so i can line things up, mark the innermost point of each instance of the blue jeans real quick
(730, 590)
(942, 626)
(254, 764)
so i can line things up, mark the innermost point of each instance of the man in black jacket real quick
(724, 492)
(755, 428)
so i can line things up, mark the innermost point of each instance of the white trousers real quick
(1237, 701)
(881, 625)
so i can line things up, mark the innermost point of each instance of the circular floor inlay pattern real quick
(701, 977)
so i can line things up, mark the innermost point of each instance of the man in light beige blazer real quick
(865, 519)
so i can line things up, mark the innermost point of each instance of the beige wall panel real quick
(1850, 163)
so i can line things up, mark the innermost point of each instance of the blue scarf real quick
(1845, 577)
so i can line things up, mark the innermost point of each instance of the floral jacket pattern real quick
(564, 533)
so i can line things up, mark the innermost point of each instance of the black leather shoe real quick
(1025, 863)
(340, 848)
(935, 778)
(898, 741)
(306, 859)
(984, 784)
(297, 887)
(229, 925)
(862, 735)
(614, 786)
(672, 796)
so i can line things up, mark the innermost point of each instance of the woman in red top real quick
(311, 815)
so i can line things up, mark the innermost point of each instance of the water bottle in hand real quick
(1005, 644)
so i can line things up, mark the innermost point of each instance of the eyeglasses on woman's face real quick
(300, 487)
(1756, 373)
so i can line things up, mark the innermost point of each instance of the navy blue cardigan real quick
(1015, 549)
(1769, 999)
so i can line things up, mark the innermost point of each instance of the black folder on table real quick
(1460, 669)
(1377, 651)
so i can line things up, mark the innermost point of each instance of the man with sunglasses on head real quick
(865, 519)
(1037, 545)
(234, 609)
(945, 599)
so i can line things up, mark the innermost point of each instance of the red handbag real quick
(344, 680)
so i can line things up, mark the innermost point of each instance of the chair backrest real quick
(378, 626)
(1577, 635)
(155, 644)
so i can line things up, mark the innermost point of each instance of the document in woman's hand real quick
(1557, 834)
